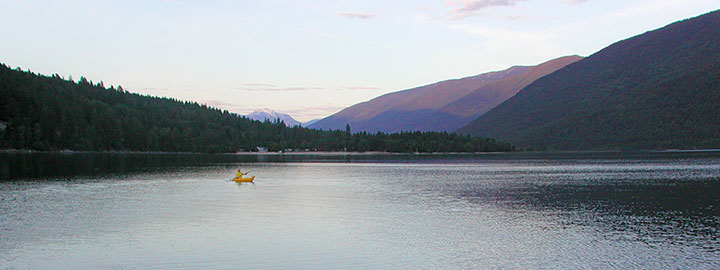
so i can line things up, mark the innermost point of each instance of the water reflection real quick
(15, 166)
(660, 206)
(73, 165)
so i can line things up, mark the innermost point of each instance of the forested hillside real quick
(51, 113)
(657, 90)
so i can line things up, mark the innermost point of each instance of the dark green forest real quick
(51, 113)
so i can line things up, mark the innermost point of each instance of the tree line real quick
(50, 113)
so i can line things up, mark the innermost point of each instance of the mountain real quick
(360, 116)
(442, 106)
(657, 90)
(270, 115)
(308, 123)
(490, 95)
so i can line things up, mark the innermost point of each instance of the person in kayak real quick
(240, 174)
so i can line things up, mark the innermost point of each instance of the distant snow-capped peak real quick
(271, 115)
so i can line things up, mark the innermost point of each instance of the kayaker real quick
(240, 174)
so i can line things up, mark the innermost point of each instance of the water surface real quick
(500, 211)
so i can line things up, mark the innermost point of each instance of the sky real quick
(308, 58)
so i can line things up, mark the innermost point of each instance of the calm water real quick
(516, 211)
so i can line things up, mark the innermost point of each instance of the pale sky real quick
(310, 58)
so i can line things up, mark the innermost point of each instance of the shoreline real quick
(279, 153)
(346, 153)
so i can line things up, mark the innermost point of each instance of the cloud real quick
(217, 103)
(258, 84)
(356, 15)
(472, 7)
(153, 89)
(265, 87)
(466, 8)
(362, 88)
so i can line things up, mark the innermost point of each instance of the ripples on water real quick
(576, 211)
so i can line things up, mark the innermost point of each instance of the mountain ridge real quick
(371, 108)
(657, 90)
(506, 88)
(439, 106)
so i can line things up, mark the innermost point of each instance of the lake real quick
(640, 210)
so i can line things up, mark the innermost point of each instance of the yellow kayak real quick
(250, 179)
